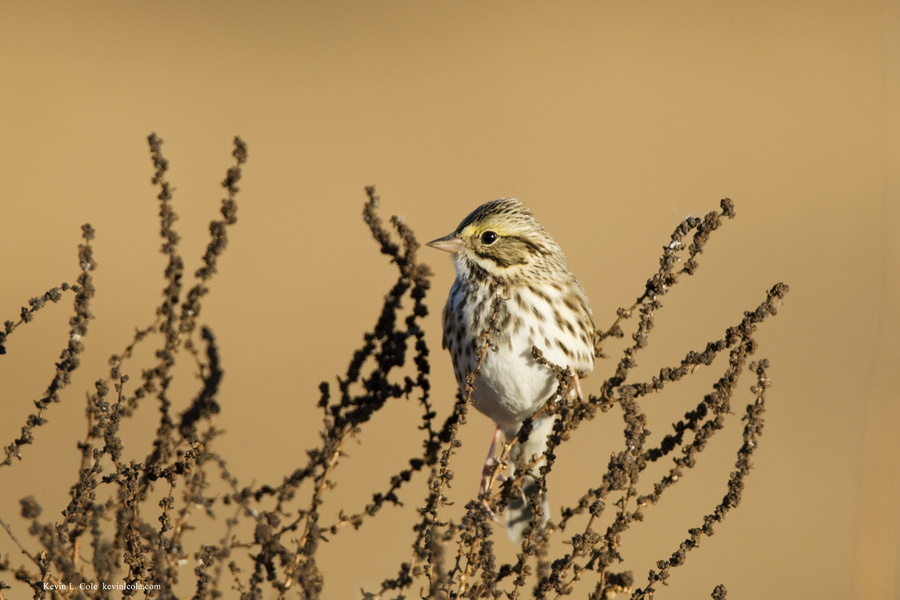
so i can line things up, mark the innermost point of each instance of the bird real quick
(501, 249)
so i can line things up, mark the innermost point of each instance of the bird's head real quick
(500, 237)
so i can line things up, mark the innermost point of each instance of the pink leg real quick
(488, 463)
(486, 474)
(575, 392)
(577, 385)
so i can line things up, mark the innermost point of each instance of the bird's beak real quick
(448, 243)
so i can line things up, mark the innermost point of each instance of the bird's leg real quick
(575, 392)
(575, 381)
(489, 463)
(486, 474)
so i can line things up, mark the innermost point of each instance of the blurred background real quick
(612, 121)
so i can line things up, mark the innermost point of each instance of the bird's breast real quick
(512, 385)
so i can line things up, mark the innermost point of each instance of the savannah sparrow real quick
(500, 246)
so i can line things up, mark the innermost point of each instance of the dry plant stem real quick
(470, 565)
(81, 491)
(431, 443)
(27, 313)
(44, 574)
(666, 276)
(752, 430)
(654, 288)
(485, 339)
(345, 418)
(740, 339)
(139, 552)
(19, 544)
(183, 515)
(116, 360)
(69, 359)
(134, 539)
(312, 511)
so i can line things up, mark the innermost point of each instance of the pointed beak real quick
(448, 243)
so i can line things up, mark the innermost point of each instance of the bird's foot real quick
(487, 508)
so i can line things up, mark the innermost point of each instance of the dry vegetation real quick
(113, 540)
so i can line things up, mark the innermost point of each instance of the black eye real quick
(488, 238)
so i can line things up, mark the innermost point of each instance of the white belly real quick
(512, 384)
(511, 387)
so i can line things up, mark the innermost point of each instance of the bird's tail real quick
(519, 513)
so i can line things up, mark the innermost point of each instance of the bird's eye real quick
(488, 238)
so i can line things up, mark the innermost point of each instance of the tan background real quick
(612, 121)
